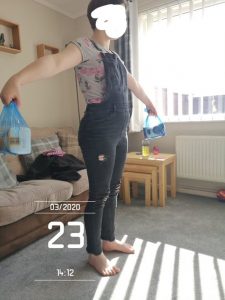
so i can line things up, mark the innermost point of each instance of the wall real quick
(49, 102)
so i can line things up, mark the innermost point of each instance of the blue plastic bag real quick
(15, 135)
(153, 127)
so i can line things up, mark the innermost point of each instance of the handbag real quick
(153, 127)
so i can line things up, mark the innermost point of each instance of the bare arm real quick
(44, 67)
(138, 91)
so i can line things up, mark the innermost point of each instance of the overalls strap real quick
(99, 49)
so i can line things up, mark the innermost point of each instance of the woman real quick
(104, 82)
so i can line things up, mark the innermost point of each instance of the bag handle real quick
(155, 117)
(146, 110)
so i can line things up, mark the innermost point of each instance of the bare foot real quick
(102, 265)
(117, 246)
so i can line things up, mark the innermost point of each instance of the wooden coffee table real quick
(161, 161)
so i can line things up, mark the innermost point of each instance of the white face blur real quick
(112, 19)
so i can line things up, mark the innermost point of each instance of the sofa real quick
(26, 208)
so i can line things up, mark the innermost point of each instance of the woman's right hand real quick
(11, 91)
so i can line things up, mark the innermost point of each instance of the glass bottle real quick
(145, 148)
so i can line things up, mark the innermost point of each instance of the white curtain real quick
(181, 49)
(138, 108)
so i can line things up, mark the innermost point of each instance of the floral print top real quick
(90, 72)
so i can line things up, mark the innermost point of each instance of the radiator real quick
(201, 157)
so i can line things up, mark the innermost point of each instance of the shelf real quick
(42, 48)
(15, 37)
(9, 50)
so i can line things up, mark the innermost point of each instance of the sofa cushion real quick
(69, 143)
(14, 164)
(82, 184)
(7, 178)
(31, 196)
(38, 146)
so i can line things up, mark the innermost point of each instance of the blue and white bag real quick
(15, 135)
(153, 127)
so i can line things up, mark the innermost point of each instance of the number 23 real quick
(79, 234)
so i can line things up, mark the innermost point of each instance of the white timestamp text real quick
(79, 235)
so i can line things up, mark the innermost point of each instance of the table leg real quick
(127, 199)
(173, 178)
(162, 188)
(147, 192)
(165, 182)
(154, 189)
(134, 186)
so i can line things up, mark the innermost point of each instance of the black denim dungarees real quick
(103, 141)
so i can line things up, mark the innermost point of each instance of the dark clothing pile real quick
(57, 167)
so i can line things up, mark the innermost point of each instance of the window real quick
(182, 59)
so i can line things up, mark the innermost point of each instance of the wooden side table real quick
(146, 170)
(161, 161)
(128, 177)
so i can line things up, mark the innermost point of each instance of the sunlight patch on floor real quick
(221, 269)
(186, 282)
(208, 278)
(165, 284)
(144, 274)
(126, 273)
(181, 271)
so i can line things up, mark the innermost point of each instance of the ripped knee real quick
(115, 189)
(98, 199)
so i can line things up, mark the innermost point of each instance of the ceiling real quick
(76, 8)
(70, 8)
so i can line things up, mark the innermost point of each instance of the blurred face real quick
(112, 19)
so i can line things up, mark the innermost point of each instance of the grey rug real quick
(180, 254)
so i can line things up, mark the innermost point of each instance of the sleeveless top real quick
(90, 72)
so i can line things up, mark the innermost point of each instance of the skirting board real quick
(197, 187)
(196, 192)
(192, 190)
